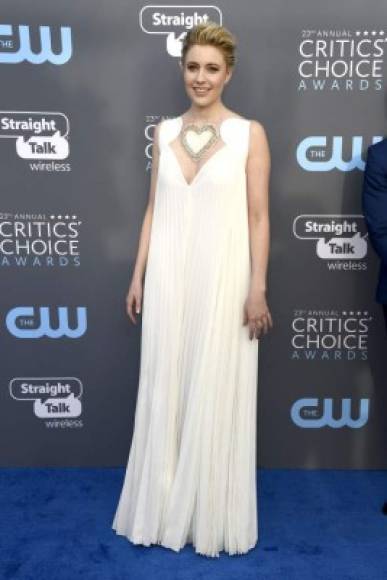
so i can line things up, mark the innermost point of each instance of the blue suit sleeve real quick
(374, 201)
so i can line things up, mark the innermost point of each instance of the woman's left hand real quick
(256, 314)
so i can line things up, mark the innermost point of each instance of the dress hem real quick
(140, 541)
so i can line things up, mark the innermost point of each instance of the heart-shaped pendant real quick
(196, 140)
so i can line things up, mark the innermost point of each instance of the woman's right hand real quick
(133, 299)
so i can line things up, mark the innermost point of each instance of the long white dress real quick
(191, 472)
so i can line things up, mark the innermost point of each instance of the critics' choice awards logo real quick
(46, 322)
(340, 240)
(173, 22)
(56, 400)
(19, 43)
(38, 135)
(315, 413)
(330, 335)
(38, 240)
(149, 130)
(321, 153)
(341, 60)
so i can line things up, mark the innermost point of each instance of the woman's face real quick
(205, 74)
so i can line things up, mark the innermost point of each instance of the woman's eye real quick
(211, 69)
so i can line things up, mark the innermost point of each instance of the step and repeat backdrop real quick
(82, 87)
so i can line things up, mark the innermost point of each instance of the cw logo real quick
(312, 159)
(21, 317)
(304, 414)
(24, 52)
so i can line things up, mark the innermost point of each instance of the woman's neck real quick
(206, 114)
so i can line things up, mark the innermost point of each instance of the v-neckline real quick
(196, 176)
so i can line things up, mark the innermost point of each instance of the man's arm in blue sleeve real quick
(374, 201)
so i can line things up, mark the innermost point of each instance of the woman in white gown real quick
(204, 244)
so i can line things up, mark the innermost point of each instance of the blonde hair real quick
(215, 35)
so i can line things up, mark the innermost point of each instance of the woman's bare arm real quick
(134, 295)
(143, 245)
(257, 313)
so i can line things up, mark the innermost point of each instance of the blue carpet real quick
(320, 524)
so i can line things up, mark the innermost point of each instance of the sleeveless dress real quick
(191, 472)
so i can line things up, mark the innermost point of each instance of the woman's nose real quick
(200, 75)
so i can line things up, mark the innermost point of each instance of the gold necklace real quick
(197, 139)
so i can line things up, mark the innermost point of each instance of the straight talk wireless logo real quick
(57, 401)
(42, 138)
(173, 22)
(339, 240)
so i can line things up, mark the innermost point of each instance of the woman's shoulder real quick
(257, 131)
(257, 136)
(255, 125)
(162, 129)
(166, 122)
(258, 140)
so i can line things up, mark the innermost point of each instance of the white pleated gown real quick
(191, 472)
